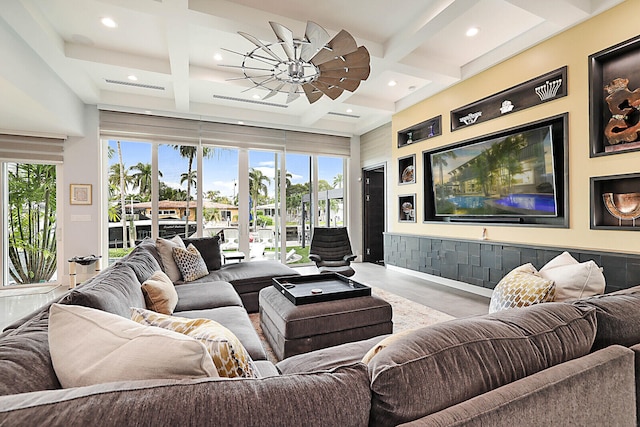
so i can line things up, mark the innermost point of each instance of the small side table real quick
(82, 260)
(229, 256)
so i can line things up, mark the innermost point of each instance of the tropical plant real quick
(32, 223)
(338, 180)
(257, 188)
(189, 152)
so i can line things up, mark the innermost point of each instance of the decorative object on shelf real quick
(408, 174)
(424, 130)
(544, 88)
(80, 194)
(406, 169)
(613, 112)
(623, 126)
(507, 107)
(407, 211)
(615, 202)
(625, 206)
(548, 90)
(471, 118)
(315, 65)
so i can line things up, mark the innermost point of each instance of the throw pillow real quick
(90, 346)
(574, 281)
(209, 248)
(159, 293)
(227, 352)
(385, 343)
(561, 260)
(165, 249)
(522, 287)
(190, 263)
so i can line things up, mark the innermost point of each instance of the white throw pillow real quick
(575, 281)
(91, 346)
(165, 249)
(565, 258)
(159, 293)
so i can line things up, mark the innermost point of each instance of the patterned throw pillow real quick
(523, 286)
(227, 352)
(190, 263)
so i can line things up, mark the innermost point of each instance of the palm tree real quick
(142, 179)
(189, 152)
(337, 181)
(257, 187)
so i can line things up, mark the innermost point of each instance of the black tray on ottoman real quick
(319, 288)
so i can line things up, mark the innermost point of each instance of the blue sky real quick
(221, 169)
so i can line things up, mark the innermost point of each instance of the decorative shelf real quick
(545, 88)
(424, 130)
(407, 169)
(615, 202)
(407, 208)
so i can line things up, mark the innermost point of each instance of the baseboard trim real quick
(443, 281)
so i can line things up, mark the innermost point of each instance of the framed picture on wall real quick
(80, 194)
(407, 208)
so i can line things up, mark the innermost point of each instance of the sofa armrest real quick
(596, 389)
(287, 400)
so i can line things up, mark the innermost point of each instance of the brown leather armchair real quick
(331, 250)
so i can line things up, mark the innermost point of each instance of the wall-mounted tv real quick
(517, 175)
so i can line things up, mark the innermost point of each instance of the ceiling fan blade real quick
(274, 91)
(342, 44)
(285, 35)
(293, 93)
(349, 73)
(317, 38)
(261, 45)
(312, 93)
(358, 59)
(346, 84)
(332, 92)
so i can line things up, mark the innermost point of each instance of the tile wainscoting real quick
(484, 263)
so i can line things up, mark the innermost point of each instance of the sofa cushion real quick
(227, 352)
(115, 290)
(336, 398)
(448, 363)
(165, 249)
(618, 315)
(25, 361)
(159, 293)
(209, 248)
(575, 280)
(190, 263)
(91, 347)
(237, 321)
(521, 287)
(149, 245)
(200, 296)
(141, 262)
(250, 276)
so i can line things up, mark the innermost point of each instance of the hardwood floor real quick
(440, 297)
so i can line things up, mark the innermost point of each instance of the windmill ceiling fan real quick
(315, 65)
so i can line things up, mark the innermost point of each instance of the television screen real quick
(509, 175)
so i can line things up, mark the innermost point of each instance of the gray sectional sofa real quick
(550, 364)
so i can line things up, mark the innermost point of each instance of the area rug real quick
(17, 291)
(406, 315)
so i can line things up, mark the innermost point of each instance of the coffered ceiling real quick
(176, 51)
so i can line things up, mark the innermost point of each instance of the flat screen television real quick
(514, 175)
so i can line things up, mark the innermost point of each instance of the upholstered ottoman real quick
(294, 329)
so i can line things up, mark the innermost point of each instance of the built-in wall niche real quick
(615, 202)
(516, 176)
(407, 208)
(407, 169)
(424, 130)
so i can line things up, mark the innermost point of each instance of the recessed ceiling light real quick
(349, 110)
(240, 122)
(392, 83)
(256, 96)
(147, 111)
(108, 22)
(132, 78)
(472, 31)
(217, 57)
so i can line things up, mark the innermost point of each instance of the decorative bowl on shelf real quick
(407, 174)
(623, 206)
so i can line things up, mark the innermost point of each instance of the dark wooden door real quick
(374, 207)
